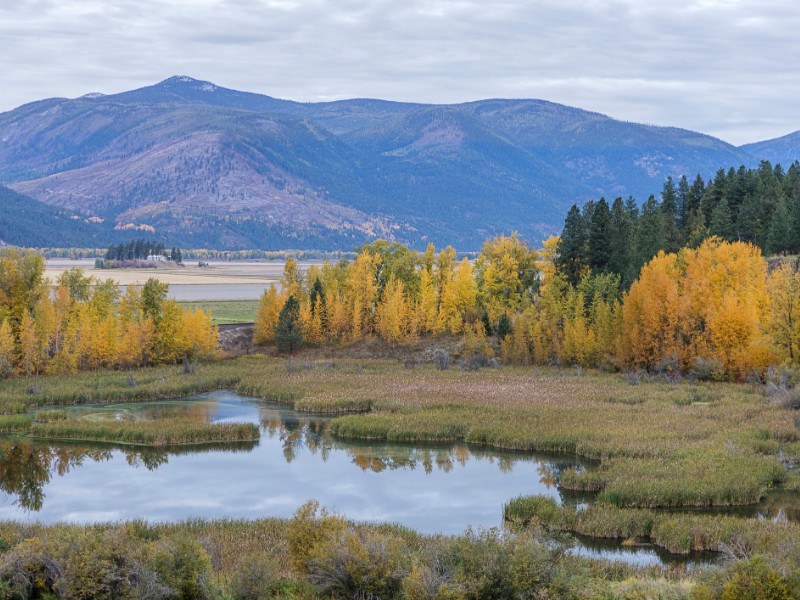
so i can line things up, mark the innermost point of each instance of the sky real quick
(728, 68)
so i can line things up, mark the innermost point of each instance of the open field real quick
(219, 281)
(226, 312)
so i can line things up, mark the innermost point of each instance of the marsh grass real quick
(679, 533)
(15, 423)
(164, 432)
(98, 387)
(658, 443)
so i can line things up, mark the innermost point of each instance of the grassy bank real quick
(679, 533)
(106, 387)
(164, 432)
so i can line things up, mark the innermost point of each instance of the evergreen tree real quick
(503, 326)
(572, 261)
(683, 205)
(721, 221)
(696, 193)
(748, 221)
(779, 238)
(289, 331)
(669, 208)
(600, 240)
(318, 303)
(622, 228)
(650, 238)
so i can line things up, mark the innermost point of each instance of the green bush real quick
(253, 578)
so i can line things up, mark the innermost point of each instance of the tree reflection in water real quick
(27, 467)
(310, 434)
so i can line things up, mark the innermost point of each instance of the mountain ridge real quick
(218, 167)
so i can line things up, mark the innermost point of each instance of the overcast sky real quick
(725, 67)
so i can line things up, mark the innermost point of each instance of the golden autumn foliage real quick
(87, 324)
(713, 303)
(709, 303)
(784, 323)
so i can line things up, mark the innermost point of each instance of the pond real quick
(431, 488)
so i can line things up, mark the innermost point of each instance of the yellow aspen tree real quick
(170, 343)
(475, 341)
(131, 345)
(107, 350)
(515, 346)
(314, 328)
(651, 314)
(65, 359)
(202, 336)
(606, 325)
(392, 312)
(45, 319)
(28, 346)
(506, 274)
(546, 259)
(6, 349)
(306, 316)
(62, 302)
(339, 323)
(363, 292)
(426, 306)
(448, 318)
(445, 263)
(580, 343)
(291, 282)
(269, 307)
(784, 314)
(724, 303)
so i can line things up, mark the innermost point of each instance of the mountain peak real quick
(185, 80)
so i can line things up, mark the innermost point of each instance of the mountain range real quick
(205, 166)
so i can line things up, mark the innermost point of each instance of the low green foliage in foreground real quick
(164, 432)
(321, 555)
(226, 312)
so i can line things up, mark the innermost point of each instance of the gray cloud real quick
(724, 67)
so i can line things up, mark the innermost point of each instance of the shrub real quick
(754, 579)
(253, 578)
(708, 369)
(441, 358)
(29, 570)
(359, 563)
(310, 527)
(184, 565)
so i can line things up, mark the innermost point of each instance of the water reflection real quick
(310, 434)
(431, 488)
(428, 487)
(26, 467)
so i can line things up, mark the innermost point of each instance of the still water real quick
(433, 489)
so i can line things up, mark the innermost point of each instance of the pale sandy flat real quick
(218, 281)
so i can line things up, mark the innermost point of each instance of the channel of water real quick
(431, 488)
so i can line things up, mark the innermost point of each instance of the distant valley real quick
(211, 167)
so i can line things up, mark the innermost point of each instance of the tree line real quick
(141, 249)
(82, 323)
(712, 309)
